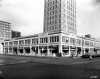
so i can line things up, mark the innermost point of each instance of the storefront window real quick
(91, 44)
(65, 49)
(10, 50)
(27, 50)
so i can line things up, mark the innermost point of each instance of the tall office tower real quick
(5, 30)
(60, 16)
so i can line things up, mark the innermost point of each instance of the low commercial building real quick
(50, 45)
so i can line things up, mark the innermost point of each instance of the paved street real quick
(15, 67)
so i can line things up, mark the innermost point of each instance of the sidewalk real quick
(47, 60)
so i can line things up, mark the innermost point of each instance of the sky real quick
(27, 16)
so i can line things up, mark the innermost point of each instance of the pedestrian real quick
(72, 54)
(90, 55)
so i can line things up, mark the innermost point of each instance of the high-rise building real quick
(5, 33)
(5, 30)
(60, 16)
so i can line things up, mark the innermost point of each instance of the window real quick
(86, 43)
(54, 39)
(15, 42)
(55, 6)
(57, 38)
(78, 42)
(65, 39)
(72, 41)
(6, 43)
(10, 43)
(35, 41)
(53, 2)
(21, 42)
(28, 41)
(44, 40)
(91, 44)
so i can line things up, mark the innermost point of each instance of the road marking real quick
(1, 64)
(79, 62)
(94, 77)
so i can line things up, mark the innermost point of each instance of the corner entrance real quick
(54, 50)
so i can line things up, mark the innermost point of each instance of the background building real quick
(5, 30)
(60, 16)
(15, 34)
(5, 33)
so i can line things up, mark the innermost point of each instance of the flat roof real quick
(5, 22)
(30, 36)
(23, 37)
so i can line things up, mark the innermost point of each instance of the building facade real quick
(59, 37)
